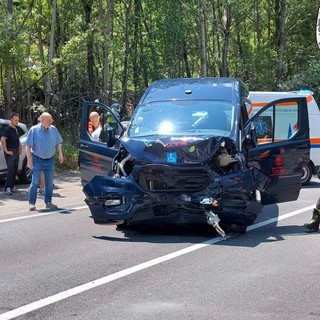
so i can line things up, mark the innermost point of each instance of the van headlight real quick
(112, 202)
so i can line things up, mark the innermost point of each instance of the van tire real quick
(306, 174)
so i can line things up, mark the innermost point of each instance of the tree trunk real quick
(87, 6)
(106, 52)
(185, 59)
(203, 47)
(48, 81)
(136, 38)
(225, 47)
(126, 54)
(9, 72)
(281, 14)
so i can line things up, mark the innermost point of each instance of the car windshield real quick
(176, 118)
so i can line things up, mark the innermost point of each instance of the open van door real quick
(96, 152)
(279, 133)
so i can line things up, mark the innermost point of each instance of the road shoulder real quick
(67, 190)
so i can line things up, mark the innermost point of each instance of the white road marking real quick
(282, 217)
(11, 213)
(123, 273)
(38, 214)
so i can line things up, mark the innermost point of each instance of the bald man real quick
(96, 127)
(42, 142)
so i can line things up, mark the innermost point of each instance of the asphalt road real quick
(59, 265)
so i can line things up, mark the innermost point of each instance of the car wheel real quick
(25, 176)
(306, 174)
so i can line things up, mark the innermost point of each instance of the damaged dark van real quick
(190, 154)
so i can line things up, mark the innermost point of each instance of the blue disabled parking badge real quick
(172, 157)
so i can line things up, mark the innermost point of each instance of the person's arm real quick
(29, 157)
(60, 154)
(4, 146)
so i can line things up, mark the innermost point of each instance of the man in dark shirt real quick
(12, 149)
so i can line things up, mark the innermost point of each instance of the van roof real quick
(223, 89)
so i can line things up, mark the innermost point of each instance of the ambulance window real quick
(277, 123)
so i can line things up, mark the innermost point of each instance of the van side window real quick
(280, 122)
(109, 122)
(100, 120)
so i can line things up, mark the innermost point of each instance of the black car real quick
(190, 154)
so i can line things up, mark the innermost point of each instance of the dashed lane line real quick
(123, 273)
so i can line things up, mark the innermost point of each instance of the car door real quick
(280, 131)
(95, 157)
(3, 164)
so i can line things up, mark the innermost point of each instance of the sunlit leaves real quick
(151, 39)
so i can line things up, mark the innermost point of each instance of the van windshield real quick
(176, 118)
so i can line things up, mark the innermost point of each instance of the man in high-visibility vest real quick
(313, 224)
(116, 109)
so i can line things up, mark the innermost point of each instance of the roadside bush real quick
(70, 153)
(308, 79)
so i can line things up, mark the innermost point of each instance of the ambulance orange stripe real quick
(258, 104)
(269, 140)
(309, 98)
(262, 104)
(250, 110)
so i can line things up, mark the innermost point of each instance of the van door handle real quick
(83, 146)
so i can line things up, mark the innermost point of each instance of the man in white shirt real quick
(96, 127)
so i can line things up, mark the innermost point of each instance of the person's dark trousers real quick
(12, 165)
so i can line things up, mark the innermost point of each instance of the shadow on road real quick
(62, 181)
(312, 185)
(198, 233)
(162, 233)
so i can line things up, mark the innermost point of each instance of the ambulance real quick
(261, 98)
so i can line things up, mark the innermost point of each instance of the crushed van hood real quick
(189, 150)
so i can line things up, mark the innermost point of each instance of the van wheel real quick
(26, 174)
(306, 174)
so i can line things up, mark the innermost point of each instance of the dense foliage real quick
(55, 53)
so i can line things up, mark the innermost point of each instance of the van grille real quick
(162, 178)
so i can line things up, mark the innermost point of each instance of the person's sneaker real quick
(32, 207)
(8, 192)
(41, 191)
(14, 190)
(51, 206)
